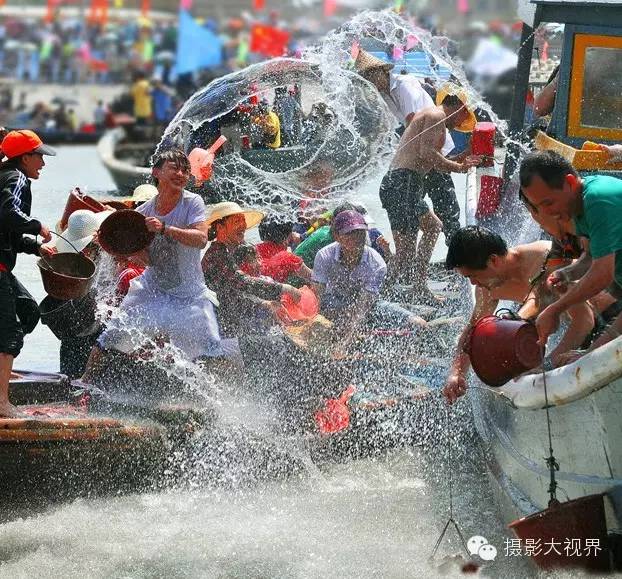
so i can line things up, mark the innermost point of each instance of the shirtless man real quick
(402, 190)
(502, 273)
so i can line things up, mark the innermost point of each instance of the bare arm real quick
(304, 272)
(581, 324)
(456, 384)
(599, 276)
(194, 235)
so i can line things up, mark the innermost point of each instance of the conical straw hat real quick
(366, 62)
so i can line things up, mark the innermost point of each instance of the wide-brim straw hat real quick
(229, 208)
(81, 229)
(365, 63)
(144, 192)
(448, 88)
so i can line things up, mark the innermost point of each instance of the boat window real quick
(595, 97)
(602, 88)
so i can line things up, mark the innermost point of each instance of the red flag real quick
(268, 40)
(330, 7)
(259, 5)
(145, 6)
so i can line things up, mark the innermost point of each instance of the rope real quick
(451, 520)
(551, 462)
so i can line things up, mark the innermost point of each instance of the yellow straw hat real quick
(366, 62)
(228, 208)
(450, 88)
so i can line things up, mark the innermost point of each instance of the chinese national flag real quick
(268, 40)
(259, 5)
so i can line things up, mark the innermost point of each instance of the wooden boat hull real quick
(125, 174)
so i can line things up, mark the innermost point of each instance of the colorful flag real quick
(259, 5)
(145, 5)
(330, 7)
(185, 4)
(268, 40)
(463, 6)
(197, 47)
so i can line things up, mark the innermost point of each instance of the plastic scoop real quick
(306, 309)
(202, 160)
(335, 416)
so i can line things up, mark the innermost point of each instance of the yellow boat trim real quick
(581, 159)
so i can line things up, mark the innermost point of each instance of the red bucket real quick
(581, 519)
(501, 349)
(489, 196)
(77, 201)
(483, 142)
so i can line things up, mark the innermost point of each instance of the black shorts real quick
(401, 193)
(11, 331)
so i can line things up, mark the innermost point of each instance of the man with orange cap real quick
(19, 314)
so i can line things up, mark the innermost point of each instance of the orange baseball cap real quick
(18, 143)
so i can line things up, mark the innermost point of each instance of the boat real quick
(125, 159)
(585, 397)
(63, 448)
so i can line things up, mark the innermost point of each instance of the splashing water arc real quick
(354, 147)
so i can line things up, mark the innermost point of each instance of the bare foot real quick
(7, 410)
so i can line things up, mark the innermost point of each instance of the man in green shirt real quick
(552, 186)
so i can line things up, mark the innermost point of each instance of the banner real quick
(268, 40)
(197, 47)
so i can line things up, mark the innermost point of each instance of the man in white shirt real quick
(405, 96)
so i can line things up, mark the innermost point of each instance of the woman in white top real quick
(170, 297)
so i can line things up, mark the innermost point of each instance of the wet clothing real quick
(19, 313)
(343, 285)
(235, 289)
(308, 248)
(170, 297)
(601, 220)
(15, 220)
(439, 187)
(402, 195)
(277, 262)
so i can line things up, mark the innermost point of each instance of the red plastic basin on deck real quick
(483, 141)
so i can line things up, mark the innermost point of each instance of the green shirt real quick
(310, 246)
(601, 220)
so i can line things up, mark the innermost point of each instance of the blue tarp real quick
(417, 63)
(197, 47)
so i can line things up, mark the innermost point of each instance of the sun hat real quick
(228, 208)
(82, 226)
(348, 221)
(144, 192)
(450, 88)
(17, 143)
(366, 62)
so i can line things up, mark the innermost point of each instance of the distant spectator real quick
(162, 102)
(99, 115)
(141, 93)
